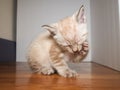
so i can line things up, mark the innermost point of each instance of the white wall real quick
(7, 19)
(31, 14)
(119, 33)
(105, 33)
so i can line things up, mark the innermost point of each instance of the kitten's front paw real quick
(47, 70)
(68, 73)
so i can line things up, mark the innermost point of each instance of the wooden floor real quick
(91, 77)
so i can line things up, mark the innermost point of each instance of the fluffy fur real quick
(65, 41)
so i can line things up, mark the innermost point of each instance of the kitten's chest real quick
(72, 57)
(69, 56)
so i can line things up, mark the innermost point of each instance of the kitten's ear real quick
(50, 28)
(80, 15)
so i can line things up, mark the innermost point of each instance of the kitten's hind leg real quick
(38, 68)
(42, 69)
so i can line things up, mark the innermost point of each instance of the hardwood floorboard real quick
(91, 77)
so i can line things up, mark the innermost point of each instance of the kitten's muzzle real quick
(76, 49)
(76, 52)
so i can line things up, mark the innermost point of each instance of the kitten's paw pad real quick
(47, 71)
(68, 73)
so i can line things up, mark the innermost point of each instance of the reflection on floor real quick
(91, 77)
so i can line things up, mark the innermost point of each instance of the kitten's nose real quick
(75, 49)
(76, 52)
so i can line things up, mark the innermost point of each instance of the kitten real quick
(65, 41)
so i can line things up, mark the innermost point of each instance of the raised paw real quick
(68, 73)
(47, 70)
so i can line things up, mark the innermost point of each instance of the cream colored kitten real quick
(65, 41)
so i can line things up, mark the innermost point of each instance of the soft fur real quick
(65, 41)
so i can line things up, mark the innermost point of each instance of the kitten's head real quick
(70, 32)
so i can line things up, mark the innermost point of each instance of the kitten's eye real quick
(69, 45)
(69, 48)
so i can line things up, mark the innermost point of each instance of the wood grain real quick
(91, 77)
